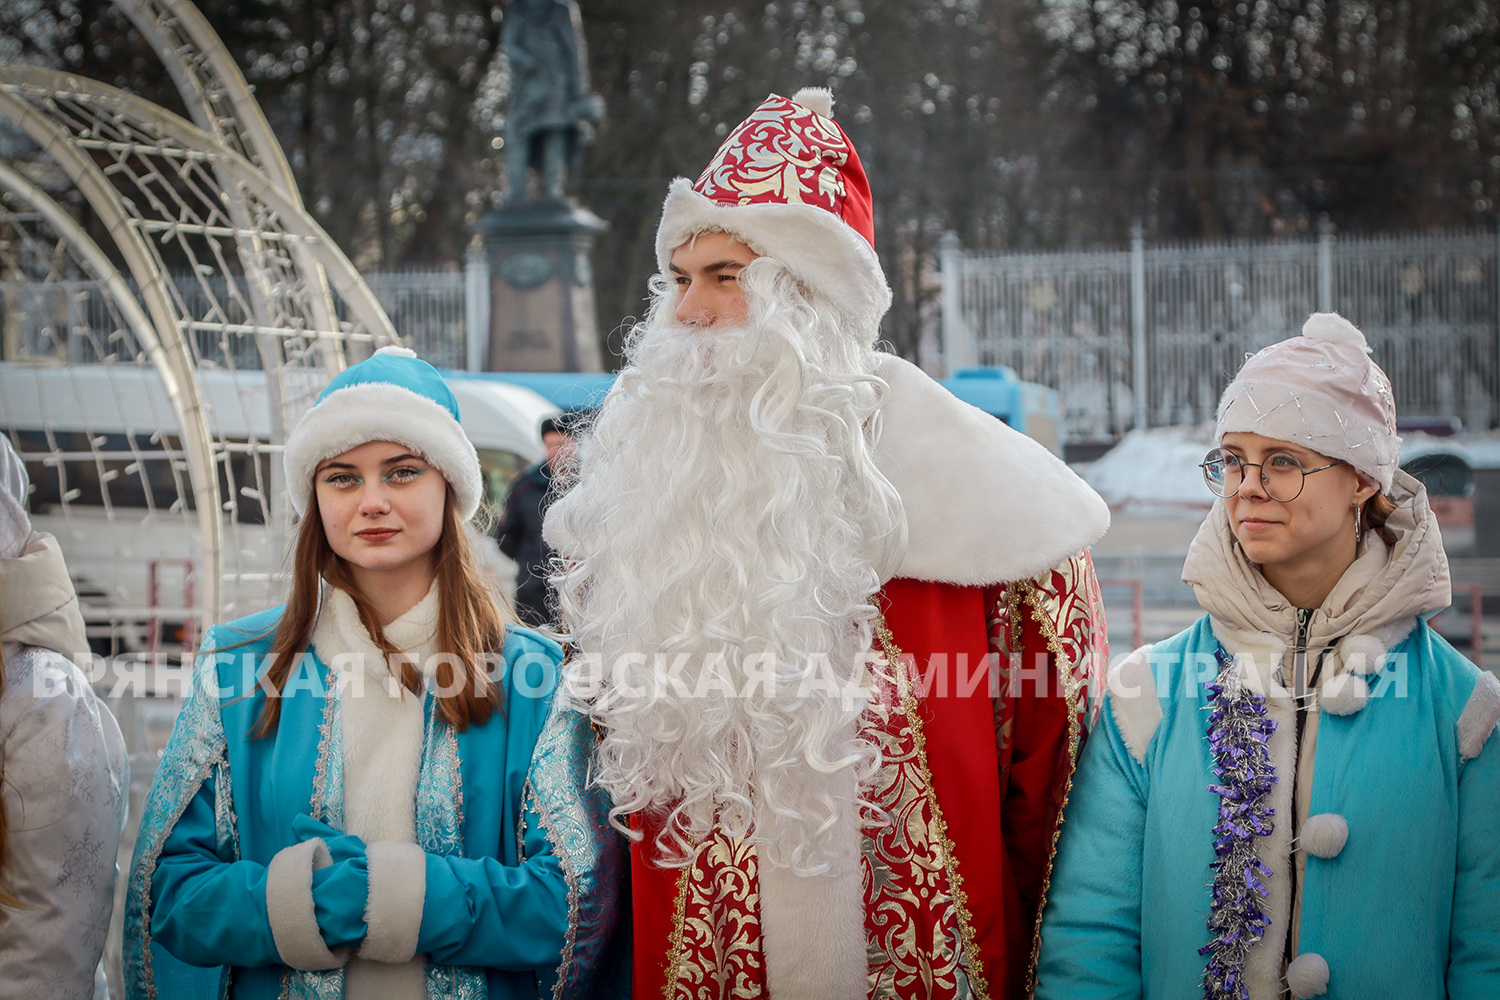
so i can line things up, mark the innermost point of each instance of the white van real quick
(102, 447)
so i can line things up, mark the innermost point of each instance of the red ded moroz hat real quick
(788, 183)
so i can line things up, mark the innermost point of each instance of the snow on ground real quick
(1156, 467)
(1159, 467)
(1481, 451)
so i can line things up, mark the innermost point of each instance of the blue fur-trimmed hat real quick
(391, 396)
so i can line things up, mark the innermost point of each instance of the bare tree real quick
(1015, 123)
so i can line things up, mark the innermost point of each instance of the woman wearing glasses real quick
(1300, 794)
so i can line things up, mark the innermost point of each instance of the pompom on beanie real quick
(1321, 391)
(391, 396)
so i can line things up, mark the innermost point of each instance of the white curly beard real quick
(723, 538)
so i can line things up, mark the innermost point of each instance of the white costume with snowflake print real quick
(64, 790)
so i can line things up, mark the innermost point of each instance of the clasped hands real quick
(340, 888)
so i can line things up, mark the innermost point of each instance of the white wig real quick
(720, 549)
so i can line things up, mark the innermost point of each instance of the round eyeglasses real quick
(1281, 475)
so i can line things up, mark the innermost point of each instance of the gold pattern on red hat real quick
(782, 154)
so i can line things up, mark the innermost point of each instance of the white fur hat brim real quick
(1314, 420)
(380, 411)
(820, 249)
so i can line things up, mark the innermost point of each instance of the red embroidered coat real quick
(977, 752)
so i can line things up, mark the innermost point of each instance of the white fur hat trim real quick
(1324, 835)
(1307, 976)
(1345, 694)
(819, 248)
(381, 411)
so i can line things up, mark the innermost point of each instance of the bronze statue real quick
(551, 112)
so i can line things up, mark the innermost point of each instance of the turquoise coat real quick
(1409, 908)
(522, 869)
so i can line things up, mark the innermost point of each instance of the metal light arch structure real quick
(146, 128)
(183, 396)
(182, 392)
(156, 180)
(217, 96)
(221, 103)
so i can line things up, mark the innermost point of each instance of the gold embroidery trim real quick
(1070, 696)
(1013, 615)
(950, 858)
(674, 943)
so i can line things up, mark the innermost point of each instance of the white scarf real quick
(1372, 607)
(382, 726)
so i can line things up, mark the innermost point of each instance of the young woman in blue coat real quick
(1300, 794)
(369, 792)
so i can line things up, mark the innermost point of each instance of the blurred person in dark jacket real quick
(520, 529)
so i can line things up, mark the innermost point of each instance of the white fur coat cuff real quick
(393, 909)
(289, 907)
(1479, 716)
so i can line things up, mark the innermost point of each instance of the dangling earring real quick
(1358, 520)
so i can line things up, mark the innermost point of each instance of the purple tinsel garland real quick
(1239, 735)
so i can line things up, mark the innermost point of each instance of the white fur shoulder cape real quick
(984, 503)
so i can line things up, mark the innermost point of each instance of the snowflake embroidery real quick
(79, 871)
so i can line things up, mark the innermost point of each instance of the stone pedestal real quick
(541, 288)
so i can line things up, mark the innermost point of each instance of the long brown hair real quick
(1376, 511)
(469, 625)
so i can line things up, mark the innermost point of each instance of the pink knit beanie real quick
(1321, 391)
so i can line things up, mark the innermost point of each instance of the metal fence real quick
(430, 309)
(1149, 336)
(1141, 337)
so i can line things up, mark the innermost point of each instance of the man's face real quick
(559, 450)
(706, 270)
